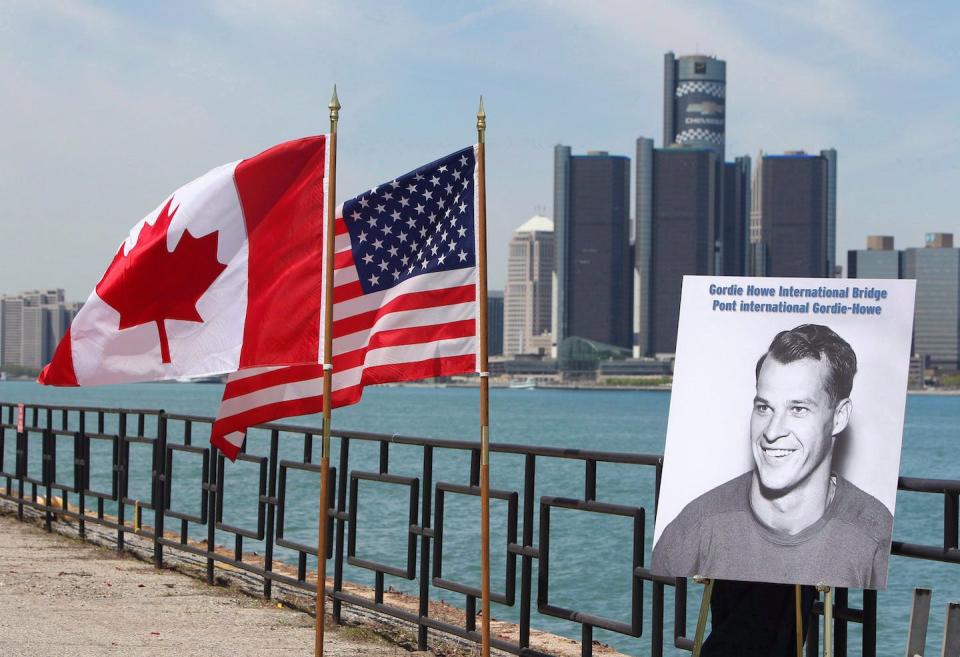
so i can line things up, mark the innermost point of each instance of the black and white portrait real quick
(784, 434)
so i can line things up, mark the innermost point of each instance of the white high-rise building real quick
(31, 325)
(529, 292)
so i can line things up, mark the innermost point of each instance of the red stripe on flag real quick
(423, 334)
(347, 291)
(423, 369)
(282, 194)
(272, 378)
(343, 259)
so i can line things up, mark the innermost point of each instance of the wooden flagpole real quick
(321, 602)
(484, 386)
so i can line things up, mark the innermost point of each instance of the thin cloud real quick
(860, 29)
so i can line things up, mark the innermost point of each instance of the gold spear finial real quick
(481, 120)
(334, 105)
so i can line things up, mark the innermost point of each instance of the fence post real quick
(212, 492)
(951, 631)
(424, 608)
(343, 468)
(47, 463)
(81, 452)
(21, 460)
(951, 519)
(870, 623)
(271, 512)
(159, 487)
(919, 619)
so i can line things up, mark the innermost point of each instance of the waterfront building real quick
(693, 209)
(833, 268)
(878, 260)
(694, 102)
(794, 215)
(734, 234)
(757, 253)
(936, 326)
(592, 257)
(529, 291)
(678, 209)
(494, 322)
(31, 325)
(11, 330)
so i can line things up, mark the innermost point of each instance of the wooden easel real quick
(827, 590)
(828, 617)
(704, 612)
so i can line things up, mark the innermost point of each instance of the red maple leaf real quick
(152, 284)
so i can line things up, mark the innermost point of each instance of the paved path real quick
(62, 597)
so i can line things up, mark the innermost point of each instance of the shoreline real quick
(397, 631)
(935, 392)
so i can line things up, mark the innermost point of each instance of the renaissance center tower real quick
(694, 102)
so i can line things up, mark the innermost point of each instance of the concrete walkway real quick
(61, 596)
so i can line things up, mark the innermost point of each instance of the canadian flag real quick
(225, 274)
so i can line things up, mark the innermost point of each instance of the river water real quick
(589, 553)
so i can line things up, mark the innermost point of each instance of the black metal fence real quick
(102, 437)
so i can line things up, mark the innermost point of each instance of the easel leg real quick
(704, 612)
(827, 619)
(798, 619)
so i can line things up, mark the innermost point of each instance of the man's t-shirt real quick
(717, 535)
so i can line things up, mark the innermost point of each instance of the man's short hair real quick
(816, 342)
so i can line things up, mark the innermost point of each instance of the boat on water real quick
(527, 384)
(215, 378)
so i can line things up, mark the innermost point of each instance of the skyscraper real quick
(694, 102)
(878, 260)
(11, 330)
(734, 233)
(592, 248)
(494, 322)
(31, 325)
(529, 291)
(936, 325)
(756, 251)
(833, 267)
(794, 219)
(677, 220)
(693, 210)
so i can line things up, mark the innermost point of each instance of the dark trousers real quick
(755, 619)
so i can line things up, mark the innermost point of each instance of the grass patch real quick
(362, 634)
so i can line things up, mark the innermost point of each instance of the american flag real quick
(405, 300)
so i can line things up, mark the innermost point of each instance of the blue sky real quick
(107, 108)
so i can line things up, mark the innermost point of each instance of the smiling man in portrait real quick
(792, 518)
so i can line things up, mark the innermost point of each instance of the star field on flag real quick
(421, 222)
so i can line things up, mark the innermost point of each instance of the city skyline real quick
(111, 108)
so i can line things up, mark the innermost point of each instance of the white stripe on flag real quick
(345, 275)
(405, 319)
(414, 353)
(422, 283)
(341, 243)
